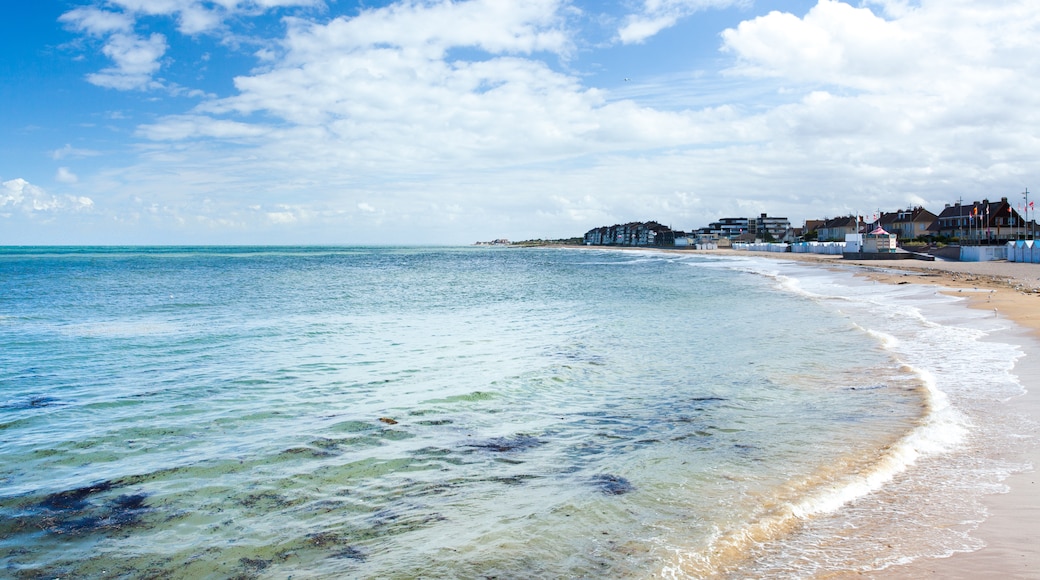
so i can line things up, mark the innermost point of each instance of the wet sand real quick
(1011, 290)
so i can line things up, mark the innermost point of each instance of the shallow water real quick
(464, 412)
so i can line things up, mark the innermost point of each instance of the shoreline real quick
(1011, 530)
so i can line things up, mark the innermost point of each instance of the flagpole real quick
(1032, 232)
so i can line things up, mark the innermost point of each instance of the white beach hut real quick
(879, 241)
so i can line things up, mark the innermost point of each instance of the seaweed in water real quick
(612, 484)
(73, 499)
(505, 444)
(254, 564)
(350, 553)
(31, 403)
(334, 540)
(72, 512)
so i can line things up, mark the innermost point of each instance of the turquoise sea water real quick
(480, 412)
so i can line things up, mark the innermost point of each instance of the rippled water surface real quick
(439, 412)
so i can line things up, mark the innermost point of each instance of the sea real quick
(488, 412)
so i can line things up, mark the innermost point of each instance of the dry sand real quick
(1012, 290)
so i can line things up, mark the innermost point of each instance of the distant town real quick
(978, 224)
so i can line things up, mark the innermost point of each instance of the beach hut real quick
(879, 241)
(1031, 252)
(1020, 251)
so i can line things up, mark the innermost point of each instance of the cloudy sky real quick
(449, 122)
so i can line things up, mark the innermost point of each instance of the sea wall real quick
(983, 253)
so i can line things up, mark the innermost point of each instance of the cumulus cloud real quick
(97, 22)
(834, 43)
(388, 89)
(19, 194)
(136, 57)
(909, 101)
(657, 15)
(136, 60)
(458, 114)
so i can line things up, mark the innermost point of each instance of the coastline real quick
(1011, 532)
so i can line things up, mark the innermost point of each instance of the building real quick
(729, 228)
(879, 241)
(632, 234)
(835, 229)
(765, 228)
(982, 222)
(912, 223)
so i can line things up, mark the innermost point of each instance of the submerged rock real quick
(504, 444)
(610, 484)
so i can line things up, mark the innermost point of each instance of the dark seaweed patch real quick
(612, 484)
(30, 403)
(265, 501)
(507, 444)
(514, 479)
(436, 422)
(305, 451)
(334, 540)
(350, 553)
(254, 564)
(72, 512)
(73, 499)
(866, 388)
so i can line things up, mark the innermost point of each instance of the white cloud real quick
(136, 57)
(195, 19)
(434, 118)
(13, 192)
(181, 127)
(19, 194)
(657, 15)
(380, 90)
(97, 22)
(136, 60)
(834, 43)
(491, 25)
(72, 152)
(65, 176)
(281, 217)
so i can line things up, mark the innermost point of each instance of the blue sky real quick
(433, 122)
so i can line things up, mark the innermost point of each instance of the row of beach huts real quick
(1024, 251)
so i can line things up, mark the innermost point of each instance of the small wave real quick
(940, 429)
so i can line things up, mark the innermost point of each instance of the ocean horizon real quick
(401, 411)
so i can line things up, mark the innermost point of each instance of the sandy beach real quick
(1012, 290)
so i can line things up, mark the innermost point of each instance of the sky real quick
(450, 122)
